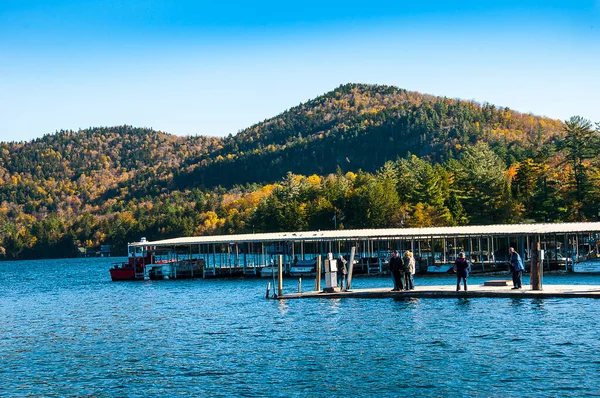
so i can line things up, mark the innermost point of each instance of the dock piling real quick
(349, 283)
(299, 285)
(268, 289)
(536, 283)
(318, 276)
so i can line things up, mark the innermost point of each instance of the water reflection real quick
(538, 304)
(407, 302)
(283, 307)
(332, 306)
(463, 301)
(516, 302)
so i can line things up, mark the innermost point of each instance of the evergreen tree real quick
(581, 144)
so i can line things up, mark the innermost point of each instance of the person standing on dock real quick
(461, 267)
(516, 267)
(397, 274)
(409, 270)
(342, 272)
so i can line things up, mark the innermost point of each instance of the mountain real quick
(359, 126)
(374, 156)
(353, 127)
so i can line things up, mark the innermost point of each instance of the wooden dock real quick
(449, 291)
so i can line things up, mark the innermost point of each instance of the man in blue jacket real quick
(516, 266)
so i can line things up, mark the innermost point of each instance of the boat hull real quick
(269, 272)
(440, 269)
(122, 274)
(302, 271)
(591, 266)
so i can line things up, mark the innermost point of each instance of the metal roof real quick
(387, 233)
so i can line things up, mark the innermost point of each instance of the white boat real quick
(269, 271)
(304, 268)
(587, 266)
(589, 263)
(440, 268)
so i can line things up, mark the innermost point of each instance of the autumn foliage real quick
(361, 156)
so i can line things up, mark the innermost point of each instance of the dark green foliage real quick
(582, 143)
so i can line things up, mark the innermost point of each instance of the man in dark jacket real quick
(397, 273)
(461, 267)
(342, 272)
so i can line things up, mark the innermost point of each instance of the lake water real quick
(67, 330)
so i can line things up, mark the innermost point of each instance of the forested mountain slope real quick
(367, 156)
(91, 166)
(361, 126)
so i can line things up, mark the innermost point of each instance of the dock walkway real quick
(449, 291)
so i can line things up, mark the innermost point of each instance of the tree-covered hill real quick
(367, 156)
(361, 126)
(91, 166)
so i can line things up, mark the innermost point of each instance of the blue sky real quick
(188, 67)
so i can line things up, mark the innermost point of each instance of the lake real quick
(67, 330)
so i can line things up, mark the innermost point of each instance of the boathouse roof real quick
(386, 233)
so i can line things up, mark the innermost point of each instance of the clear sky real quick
(214, 68)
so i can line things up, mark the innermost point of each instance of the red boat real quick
(143, 263)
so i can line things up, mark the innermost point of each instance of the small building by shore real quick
(102, 251)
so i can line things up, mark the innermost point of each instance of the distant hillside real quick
(359, 126)
(91, 166)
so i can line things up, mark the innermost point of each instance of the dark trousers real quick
(458, 278)
(398, 283)
(341, 280)
(408, 281)
(517, 278)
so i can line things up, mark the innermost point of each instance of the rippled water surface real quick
(67, 330)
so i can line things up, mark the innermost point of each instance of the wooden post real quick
(444, 249)
(351, 262)
(379, 256)
(480, 249)
(541, 278)
(535, 275)
(318, 276)
(280, 276)
(268, 288)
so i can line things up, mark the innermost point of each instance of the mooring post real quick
(280, 276)
(351, 262)
(543, 256)
(299, 285)
(268, 288)
(535, 268)
(318, 277)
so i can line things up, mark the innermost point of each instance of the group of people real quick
(403, 270)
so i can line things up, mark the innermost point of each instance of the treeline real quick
(358, 157)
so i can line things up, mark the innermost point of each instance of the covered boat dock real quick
(435, 248)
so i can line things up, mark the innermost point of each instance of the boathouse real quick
(434, 247)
